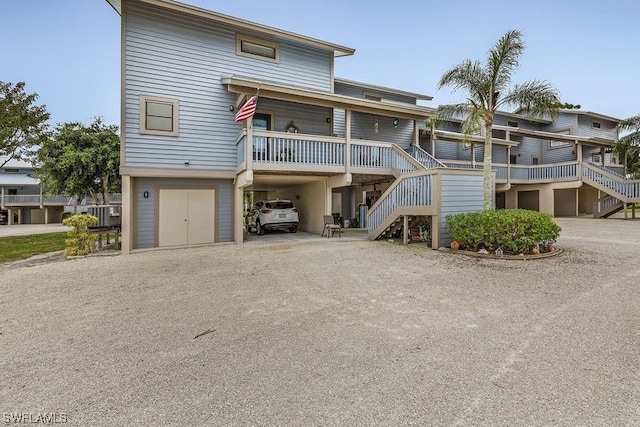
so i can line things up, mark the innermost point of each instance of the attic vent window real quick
(260, 49)
(372, 96)
(12, 170)
(596, 125)
(513, 124)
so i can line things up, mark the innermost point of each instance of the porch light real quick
(396, 122)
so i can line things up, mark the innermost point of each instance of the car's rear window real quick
(280, 204)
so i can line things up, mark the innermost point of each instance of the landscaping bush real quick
(66, 215)
(79, 241)
(512, 230)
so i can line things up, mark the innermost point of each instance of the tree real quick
(628, 147)
(488, 87)
(22, 124)
(81, 160)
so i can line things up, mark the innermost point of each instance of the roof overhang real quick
(247, 86)
(592, 114)
(476, 139)
(557, 136)
(241, 24)
(383, 89)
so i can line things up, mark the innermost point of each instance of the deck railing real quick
(286, 148)
(426, 159)
(33, 200)
(409, 191)
(545, 173)
(627, 188)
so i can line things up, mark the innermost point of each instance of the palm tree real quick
(488, 87)
(628, 147)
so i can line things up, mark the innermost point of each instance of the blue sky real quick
(68, 51)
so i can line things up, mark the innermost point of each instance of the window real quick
(256, 48)
(596, 158)
(596, 125)
(158, 116)
(535, 160)
(12, 191)
(513, 159)
(561, 143)
(12, 170)
(372, 96)
(512, 123)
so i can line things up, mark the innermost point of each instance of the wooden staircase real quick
(411, 194)
(606, 206)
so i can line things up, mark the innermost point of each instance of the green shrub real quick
(79, 241)
(513, 230)
(66, 215)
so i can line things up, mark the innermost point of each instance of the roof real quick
(237, 84)
(220, 18)
(16, 179)
(592, 114)
(16, 164)
(383, 89)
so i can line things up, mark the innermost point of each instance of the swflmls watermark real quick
(34, 418)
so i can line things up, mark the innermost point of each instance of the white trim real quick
(240, 38)
(143, 99)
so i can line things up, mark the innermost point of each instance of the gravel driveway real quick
(329, 332)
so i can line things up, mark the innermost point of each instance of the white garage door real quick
(186, 217)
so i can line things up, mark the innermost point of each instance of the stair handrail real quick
(425, 158)
(604, 203)
(389, 200)
(629, 188)
(604, 169)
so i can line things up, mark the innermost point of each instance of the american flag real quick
(248, 109)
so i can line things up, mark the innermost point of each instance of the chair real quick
(330, 226)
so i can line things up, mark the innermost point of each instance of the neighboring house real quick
(563, 167)
(328, 144)
(21, 198)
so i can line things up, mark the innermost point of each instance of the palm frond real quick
(537, 98)
(504, 58)
(631, 124)
(469, 76)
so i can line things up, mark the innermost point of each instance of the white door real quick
(201, 224)
(186, 217)
(173, 217)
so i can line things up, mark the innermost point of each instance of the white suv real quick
(272, 215)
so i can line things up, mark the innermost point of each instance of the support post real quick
(347, 140)
(405, 229)
(126, 218)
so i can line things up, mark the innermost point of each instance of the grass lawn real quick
(19, 247)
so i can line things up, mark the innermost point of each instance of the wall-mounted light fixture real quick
(232, 107)
(396, 122)
(187, 162)
(328, 119)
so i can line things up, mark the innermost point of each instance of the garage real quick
(186, 217)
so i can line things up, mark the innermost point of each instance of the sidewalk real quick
(27, 229)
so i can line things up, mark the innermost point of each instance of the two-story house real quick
(21, 198)
(186, 163)
(328, 144)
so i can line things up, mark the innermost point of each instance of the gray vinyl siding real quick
(460, 193)
(588, 152)
(564, 121)
(362, 127)
(339, 123)
(565, 153)
(527, 150)
(607, 128)
(145, 208)
(447, 150)
(172, 56)
(359, 91)
(309, 119)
